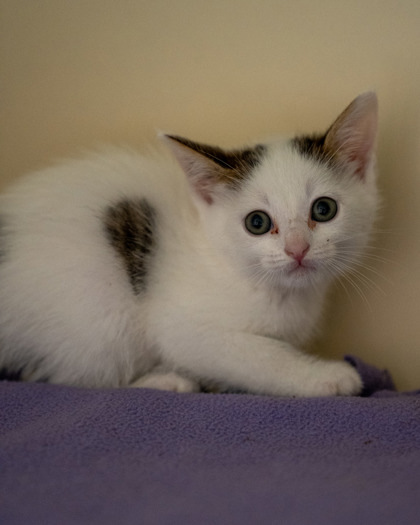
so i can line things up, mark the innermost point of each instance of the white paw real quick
(334, 378)
(167, 381)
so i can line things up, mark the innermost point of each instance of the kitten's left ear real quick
(208, 168)
(351, 139)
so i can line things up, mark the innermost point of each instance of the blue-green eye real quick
(324, 209)
(258, 222)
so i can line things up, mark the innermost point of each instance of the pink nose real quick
(297, 250)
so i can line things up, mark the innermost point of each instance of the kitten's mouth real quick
(301, 268)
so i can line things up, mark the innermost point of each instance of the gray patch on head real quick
(237, 164)
(246, 160)
(313, 147)
(240, 165)
(131, 229)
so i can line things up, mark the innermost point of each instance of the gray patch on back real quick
(131, 229)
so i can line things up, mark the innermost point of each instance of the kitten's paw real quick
(167, 381)
(336, 378)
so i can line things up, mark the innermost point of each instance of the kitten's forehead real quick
(285, 174)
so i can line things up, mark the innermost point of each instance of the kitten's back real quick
(61, 273)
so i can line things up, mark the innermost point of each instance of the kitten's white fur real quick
(222, 307)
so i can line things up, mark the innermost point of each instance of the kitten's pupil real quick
(324, 209)
(258, 222)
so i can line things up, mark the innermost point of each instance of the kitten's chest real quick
(290, 316)
(237, 305)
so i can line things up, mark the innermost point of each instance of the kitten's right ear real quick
(206, 167)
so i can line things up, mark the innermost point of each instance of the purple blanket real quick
(128, 456)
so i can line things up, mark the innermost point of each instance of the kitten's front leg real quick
(166, 380)
(262, 365)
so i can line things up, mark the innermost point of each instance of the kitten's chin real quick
(300, 276)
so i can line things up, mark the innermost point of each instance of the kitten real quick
(121, 269)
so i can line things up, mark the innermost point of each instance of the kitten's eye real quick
(258, 222)
(324, 209)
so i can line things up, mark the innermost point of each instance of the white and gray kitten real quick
(122, 269)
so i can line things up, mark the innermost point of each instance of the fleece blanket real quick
(138, 456)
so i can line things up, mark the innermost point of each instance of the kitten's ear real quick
(205, 166)
(352, 137)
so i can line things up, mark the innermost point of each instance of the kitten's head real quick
(291, 213)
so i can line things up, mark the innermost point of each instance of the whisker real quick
(345, 275)
(355, 266)
(338, 281)
(259, 274)
(369, 283)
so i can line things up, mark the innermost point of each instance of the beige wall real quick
(78, 72)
